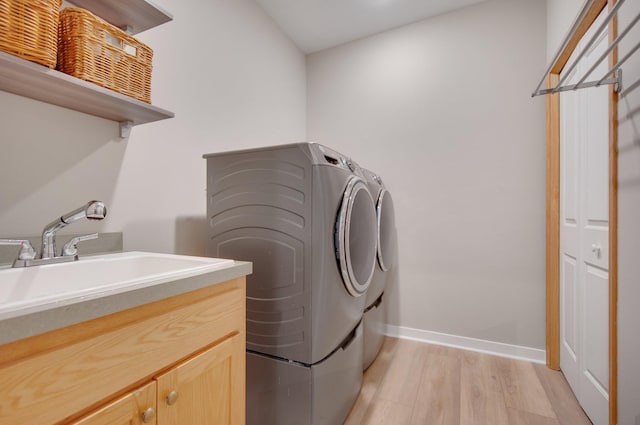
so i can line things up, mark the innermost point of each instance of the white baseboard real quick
(490, 347)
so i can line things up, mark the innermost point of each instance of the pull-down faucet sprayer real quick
(94, 210)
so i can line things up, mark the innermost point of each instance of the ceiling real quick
(319, 24)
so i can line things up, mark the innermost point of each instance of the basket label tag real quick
(130, 49)
(111, 40)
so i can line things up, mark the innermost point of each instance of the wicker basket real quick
(28, 29)
(96, 51)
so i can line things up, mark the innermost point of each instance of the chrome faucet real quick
(94, 210)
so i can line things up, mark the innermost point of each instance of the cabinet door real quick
(207, 389)
(135, 408)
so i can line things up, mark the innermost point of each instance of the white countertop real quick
(39, 299)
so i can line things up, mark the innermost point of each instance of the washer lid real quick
(356, 237)
(386, 225)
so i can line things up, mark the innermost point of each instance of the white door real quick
(584, 230)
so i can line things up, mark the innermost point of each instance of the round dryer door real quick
(356, 237)
(386, 229)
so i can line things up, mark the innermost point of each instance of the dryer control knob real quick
(350, 164)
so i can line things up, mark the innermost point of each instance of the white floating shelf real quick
(136, 15)
(38, 82)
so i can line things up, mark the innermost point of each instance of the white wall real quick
(441, 109)
(233, 80)
(629, 228)
(561, 15)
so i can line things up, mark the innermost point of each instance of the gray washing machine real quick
(374, 314)
(304, 215)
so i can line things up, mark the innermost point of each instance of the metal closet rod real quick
(621, 62)
(584, 51)
(581, 85)
(573, 29)
(615, 71)
(611, 47)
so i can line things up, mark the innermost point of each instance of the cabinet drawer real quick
(206, 389)
(128, 409)
(130, 348)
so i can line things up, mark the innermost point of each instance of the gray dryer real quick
(304, 215)
(375, 305)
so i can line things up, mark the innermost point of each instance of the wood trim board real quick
(553, 225)
(592, 14)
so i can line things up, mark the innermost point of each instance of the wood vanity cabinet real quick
(176, 361)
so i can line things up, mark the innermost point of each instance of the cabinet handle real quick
(148, 415)
(172, 397)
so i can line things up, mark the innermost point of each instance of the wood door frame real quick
(553, 207)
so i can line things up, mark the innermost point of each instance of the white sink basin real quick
(90, 277)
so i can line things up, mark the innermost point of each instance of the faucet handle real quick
(71, 247)
(26, 249)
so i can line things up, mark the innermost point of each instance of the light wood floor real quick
(413, 383)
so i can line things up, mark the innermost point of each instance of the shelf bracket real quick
(125, 128)
(618, 84)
